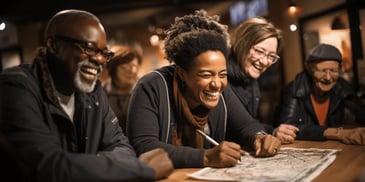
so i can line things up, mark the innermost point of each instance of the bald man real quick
(55, 115)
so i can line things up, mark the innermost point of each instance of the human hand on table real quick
(354, 136)
(286, 133)
(266, 145)
(159, 160)
(226, 154)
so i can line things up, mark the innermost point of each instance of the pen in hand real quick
(212, 141)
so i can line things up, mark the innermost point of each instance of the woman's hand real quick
(226, 154)
(266, 145)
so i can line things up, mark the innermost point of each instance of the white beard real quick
(84, 86)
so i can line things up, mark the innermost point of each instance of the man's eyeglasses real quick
(323, 72)
(260, 53)
(87, 47)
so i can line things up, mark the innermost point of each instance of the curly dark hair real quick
(194, 34)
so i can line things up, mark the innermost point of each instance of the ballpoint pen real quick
(215, 143)
(207, 137)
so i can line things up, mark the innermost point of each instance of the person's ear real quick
(51, 45)
(308, 67)
(180, 72)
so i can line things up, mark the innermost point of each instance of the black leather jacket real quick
(296, 107)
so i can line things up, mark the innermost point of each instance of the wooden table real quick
(349, 163)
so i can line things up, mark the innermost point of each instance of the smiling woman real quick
(205, 81)
(255, 46)
(186, 97)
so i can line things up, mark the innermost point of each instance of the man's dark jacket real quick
(48, 146)
(296, 107)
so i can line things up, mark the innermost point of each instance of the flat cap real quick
(324, 52)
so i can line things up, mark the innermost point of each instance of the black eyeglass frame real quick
(88, 48)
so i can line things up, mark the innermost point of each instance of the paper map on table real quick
(290, 164)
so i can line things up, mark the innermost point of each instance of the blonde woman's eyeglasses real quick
(260, 53)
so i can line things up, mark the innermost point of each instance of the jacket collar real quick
(235, 75)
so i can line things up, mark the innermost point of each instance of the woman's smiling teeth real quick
(257, 66)
(212, 95)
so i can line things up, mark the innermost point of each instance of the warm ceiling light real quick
(2, 26)
(154, 40)
(293, 8)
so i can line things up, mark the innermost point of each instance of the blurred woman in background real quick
(123, 71)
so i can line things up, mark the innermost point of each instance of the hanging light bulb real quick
(293, 9)
(2, 26)
(293, 27)
(154, 40)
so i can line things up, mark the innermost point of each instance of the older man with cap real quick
(320, 103)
